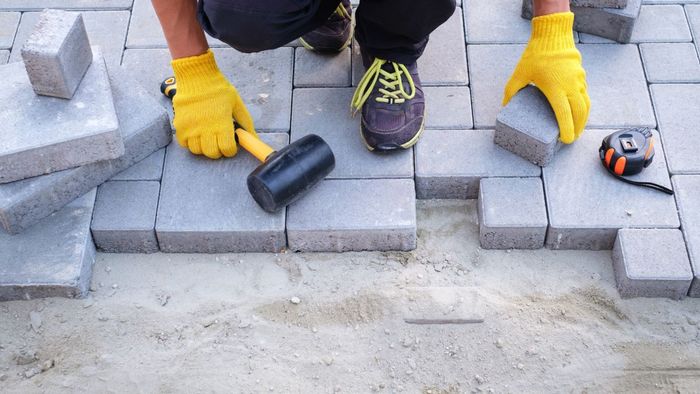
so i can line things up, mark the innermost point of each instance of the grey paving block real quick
(145, 30)
(671, 63)
(314, 69)
(612, 23)
(527, 127)
(442, 305)
(38, 5)
(4, 55)
(46, 134)
(57, 53)
(354, 215)
(106, 29)
(693, 14)
(264, 80)
(448, 107)
(512, 213)
(205, 206)
(495, 21)
(326, 112)
(687, 189)
(586, 205)
(24, 203)
(8, 28)
(651, 263)
(125, 217)
(600, 3)
(148, 169)
(616, 84)
(52, 259)
(444, 61)
(676, 109)
(450, 163)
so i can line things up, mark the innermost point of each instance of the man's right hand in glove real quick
(206, 105)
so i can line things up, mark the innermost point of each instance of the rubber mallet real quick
(284, 175)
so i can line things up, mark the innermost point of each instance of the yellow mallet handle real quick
(254, 145)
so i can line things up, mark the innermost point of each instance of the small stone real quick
(35, 319)
(520, 366)
(479, 379)
(244, 324)
(499, 343)
(46, 365)
(295, 300)
(25, 357)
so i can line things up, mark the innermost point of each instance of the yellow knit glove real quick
(553, 64)
(205, 106)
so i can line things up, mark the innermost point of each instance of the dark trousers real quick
(395, 30)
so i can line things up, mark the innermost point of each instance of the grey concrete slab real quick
(651, 263)
(448, 107)
(57, 53)
(616, 84)
(495, 21)
(264, 80)
(656, 23)
(125, 217)
(46, 134)
(354, 215)
(444, 61)
(442, 305)
(612, 23)
(670, 63)
(8, 28)
(205, 206)
(677, 112)
(4, 55)
(24, 203)
(586, 205)
(450, 163)
(527, 127)
(145, 30)
(693, 14)
(326, 112)
(148, 169)
(106, 29)
(512, 213)
(52, 259)
(687, 189)
(314, 69)
(38, 5)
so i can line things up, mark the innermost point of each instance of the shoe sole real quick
(406, 145)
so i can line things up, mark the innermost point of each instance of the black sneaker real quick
(335, 35)
(391, 99)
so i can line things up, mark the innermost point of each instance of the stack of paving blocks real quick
(69, 125)
(612, 19)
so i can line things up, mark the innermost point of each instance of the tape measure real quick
(628, 152)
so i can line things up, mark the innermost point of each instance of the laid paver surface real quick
(290, 92)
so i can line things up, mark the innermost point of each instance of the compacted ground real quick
(321, 323)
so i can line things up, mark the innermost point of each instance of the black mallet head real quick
(291, 172)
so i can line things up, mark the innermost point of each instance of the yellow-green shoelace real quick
(393, 91)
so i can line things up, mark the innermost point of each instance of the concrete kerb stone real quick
(57, 54)
(24, 203)
(687, 189)
(528, 127)
(41, 135)
(651, 263)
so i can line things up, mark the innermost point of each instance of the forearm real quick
(184, 35)
(546, 7)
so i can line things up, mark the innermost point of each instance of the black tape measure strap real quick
(649, 185)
